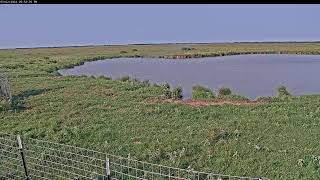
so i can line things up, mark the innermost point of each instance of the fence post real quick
(107, 168)
(20, 145)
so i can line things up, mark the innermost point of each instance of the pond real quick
(248, 75)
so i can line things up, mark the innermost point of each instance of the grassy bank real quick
(279, 140)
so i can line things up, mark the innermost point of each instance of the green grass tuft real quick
(200, 92)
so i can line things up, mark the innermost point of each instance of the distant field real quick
(278, 139)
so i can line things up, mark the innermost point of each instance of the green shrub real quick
(166, 90)
(177, 93)
(166, 86)
(134, 49)
(200, 92)
(282, 91)
(123, 52)
(224, 91)
(167, 93)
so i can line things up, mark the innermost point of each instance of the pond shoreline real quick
(188, 56)
(239, 72)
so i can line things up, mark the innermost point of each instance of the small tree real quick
(5, 91)
(223, 91)
(283, 92)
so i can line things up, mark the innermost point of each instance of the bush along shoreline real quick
(203, 93)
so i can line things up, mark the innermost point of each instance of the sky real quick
(65, 25)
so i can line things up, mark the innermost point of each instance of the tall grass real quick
(200, 92)
(166, 93)
(177, 93)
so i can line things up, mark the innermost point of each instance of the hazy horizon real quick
(28, 26)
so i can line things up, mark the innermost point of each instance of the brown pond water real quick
(247, 75)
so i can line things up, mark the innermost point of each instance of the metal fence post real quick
(20, 145)
(108, 169)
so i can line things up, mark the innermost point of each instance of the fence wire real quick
(10, 158)
(48, 160)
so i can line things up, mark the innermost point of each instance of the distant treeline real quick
(244, 42)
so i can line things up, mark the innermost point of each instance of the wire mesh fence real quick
(10, 158)
(48, 160)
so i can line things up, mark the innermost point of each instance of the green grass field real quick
(278, 139)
